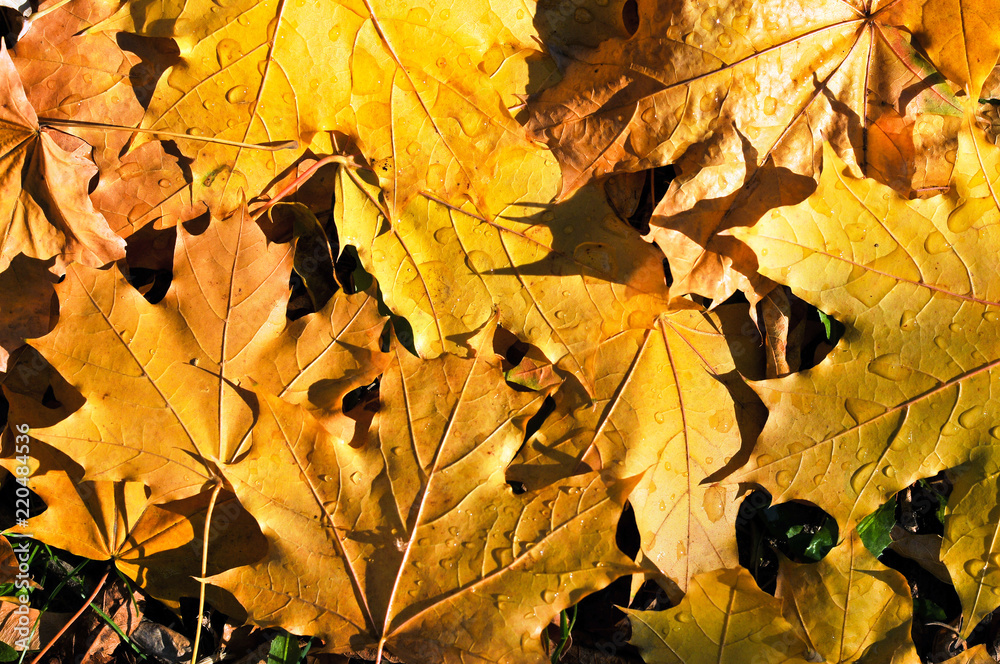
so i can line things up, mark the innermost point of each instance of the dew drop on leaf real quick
(418, 16)
(889, 366)
(974, 568)
(936, 243)
(227, 51)
(237, 94)
(479, 261)
(130, 171)
(971, 418)
(860, 478)
(856, 232)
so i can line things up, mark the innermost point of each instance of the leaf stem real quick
(48, 10)
(282, 145)
(204, 569)
(308, 173)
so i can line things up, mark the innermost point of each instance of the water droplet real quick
(444, 15)
(660, 417)
(995, 432)
(889, 366)
(971, 418)
(714, 503)
(960, 221)
(741, 23)
(861, 477)
(908, 321)
(163, 182)
(227, 51)
(940, 342)
(237, 94)
(464, 61)
(419, 16)
(725, 41)
(784, 478)
(356, 477)
(856, 232)
(195, 131)
(130, 171)
(472, 123)
(974, 568)
(520, 14)
(684, 617)
(764, 460)
(479, 261)
(366, 74)
(862, 411)
(936, 243)
(770, 105)
(597, 256)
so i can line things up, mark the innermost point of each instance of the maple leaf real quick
(562, 279)
(723, 618)
(906, 392)
(410, 84)
(644, 418)
(693, 69)
(742, 98)
(222, 321)
(158, 546)
(103, 78)
(846, 608)
(413, 541)
(849, 606)
(44, 208)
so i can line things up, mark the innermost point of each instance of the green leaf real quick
(7, 653)
(284, 650)
(874, 528)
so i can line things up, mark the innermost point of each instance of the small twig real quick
(86, 605)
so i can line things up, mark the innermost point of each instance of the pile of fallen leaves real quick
(350, 295)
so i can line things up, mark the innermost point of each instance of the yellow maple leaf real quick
(906, 393)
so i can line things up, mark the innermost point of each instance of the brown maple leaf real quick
(742, 98)
(44, 208)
